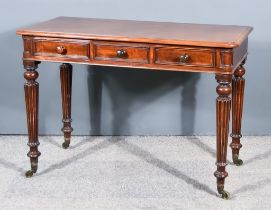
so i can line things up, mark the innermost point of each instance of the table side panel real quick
(240, 53)
(230, 59)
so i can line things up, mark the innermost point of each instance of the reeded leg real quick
(66, 91)
(31, 88)
(223, 107)
(238, 85)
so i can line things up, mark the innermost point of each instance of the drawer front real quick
(204, 57)
(65, 48)
(125, 52)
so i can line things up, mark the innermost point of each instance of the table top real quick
(226, 36)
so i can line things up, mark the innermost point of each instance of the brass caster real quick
(224, 194)
(66, 144)
(29, 173)
(238, 162)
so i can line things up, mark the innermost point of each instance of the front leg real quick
(238, 86)
(223, 107)
(66, 91)
(31, 88)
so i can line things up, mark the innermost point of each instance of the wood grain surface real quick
(227, 36)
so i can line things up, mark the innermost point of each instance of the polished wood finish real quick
(164, 46)
(137, 55)
(201, 57)
(31, 88)
(223, 107)
(62, 48)
(141, 31)
(126, 52)
(238, 86)
(66, 92)
(215, 48)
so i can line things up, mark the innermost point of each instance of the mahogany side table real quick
(217, 49)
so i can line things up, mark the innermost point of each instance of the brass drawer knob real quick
(121, 53)
(184, 58)
(61, 50)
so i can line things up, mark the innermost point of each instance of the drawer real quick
(125, 52)
(204, 57)
(66, 48)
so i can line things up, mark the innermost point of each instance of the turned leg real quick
(238, 85)
(31, 88)
(223, 107)
(66, 91)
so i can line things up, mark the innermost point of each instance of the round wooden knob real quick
(121, 53)
(184, 58)
(61, 50)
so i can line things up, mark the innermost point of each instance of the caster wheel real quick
(238, 162)
(224, 195)
(65, 145)
(29, 174)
